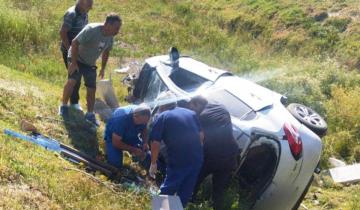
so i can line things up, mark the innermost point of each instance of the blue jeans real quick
(180, 181)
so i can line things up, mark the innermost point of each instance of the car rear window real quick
(235, 106)
(186, 80)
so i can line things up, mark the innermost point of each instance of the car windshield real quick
(155, 87)
(235, 106)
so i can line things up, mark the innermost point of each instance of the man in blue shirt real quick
(179, 128)
(122, 133)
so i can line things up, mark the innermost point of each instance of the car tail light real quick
(293, 137)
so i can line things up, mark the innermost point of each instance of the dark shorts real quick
(86, 71)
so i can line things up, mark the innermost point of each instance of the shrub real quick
(344, 122)
(339, 23)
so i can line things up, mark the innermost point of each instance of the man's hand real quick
(102, 73)
(138, 153)
(73, 68)
(153, 170)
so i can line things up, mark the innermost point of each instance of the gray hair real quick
(142, 110)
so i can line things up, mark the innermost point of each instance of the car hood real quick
(255, 96)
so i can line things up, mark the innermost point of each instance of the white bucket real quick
(106, 91)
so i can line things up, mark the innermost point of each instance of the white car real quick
(279, 147)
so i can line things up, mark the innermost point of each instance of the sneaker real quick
(92, 118)
(63, 110)
(76, 106)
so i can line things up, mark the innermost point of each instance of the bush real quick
(22, 28)
(339, 23)
(344, 123)
(293, 16)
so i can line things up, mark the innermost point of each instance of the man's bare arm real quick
(202, 137)
(64, 38)
(74, 56)
(155, 149)
(104, 60)
(74, 51)
(144, 136)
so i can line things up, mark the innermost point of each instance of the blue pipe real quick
(40, 140)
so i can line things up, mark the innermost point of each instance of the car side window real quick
(235, 106)
(155, 87)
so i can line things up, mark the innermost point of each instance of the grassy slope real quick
(33, 177)
(280, 38)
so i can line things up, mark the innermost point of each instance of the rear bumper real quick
(292, 176)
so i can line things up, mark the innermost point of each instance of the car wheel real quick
(309, 118)
(298, 203)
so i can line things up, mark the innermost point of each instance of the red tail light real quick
(293, 137)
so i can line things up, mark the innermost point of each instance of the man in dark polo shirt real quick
(75, 19)
(94, 40)
(179, 129)
(220, 148)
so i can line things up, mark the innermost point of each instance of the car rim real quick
(309, 116)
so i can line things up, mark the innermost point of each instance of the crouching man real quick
(179, 129)
(126, 131)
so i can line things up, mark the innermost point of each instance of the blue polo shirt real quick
(122, 124)
(179, 128)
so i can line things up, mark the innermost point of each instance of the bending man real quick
(179, 129)
(220, 148)
(122, 134)
(95, 39)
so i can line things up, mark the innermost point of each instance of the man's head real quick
(166, 101)
(198, 104)
(112, 24)
(141, 114)
(84, 5)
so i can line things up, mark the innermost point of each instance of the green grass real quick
(312, 61)
(31, 176)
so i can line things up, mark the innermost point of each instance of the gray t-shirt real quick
(92, 43)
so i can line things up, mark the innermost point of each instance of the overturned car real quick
(279, 147)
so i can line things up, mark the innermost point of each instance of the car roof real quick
(254, 95)
(191, 65)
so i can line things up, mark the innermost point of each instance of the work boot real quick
(63, 110)
(76, 106)
(92, 118)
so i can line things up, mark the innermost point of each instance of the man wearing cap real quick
(179, 129)
(75, 19)
(94, 40)
(126, 131)
(220, 148)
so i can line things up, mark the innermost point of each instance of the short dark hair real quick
(200, 100)
(112, 18)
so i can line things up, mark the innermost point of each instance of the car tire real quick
(309, 118)
(298, 203)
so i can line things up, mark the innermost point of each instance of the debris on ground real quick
(103, 110)
(336, 162)
(166, 202)
(106, 90)
(346, 175)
